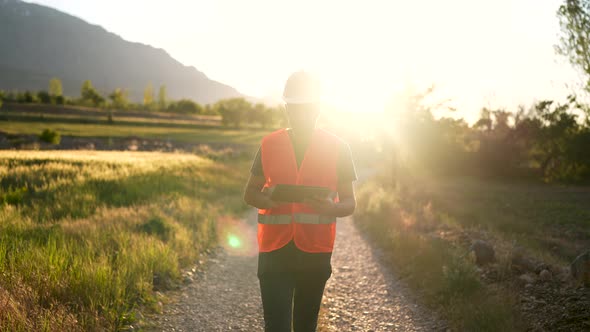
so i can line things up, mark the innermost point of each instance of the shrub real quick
(233, 111)
(156, 226)
(59, 100)
(50, 136)
(44, 97)
(26, 97)
(14, 196)
(185, 106)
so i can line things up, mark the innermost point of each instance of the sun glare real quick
(363, 50)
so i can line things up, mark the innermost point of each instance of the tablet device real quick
(296, 194)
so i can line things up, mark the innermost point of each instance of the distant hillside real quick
(38, 43)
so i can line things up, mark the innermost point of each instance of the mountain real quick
(38, 43)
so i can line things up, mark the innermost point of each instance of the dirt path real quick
(361, 295)
(224, 297)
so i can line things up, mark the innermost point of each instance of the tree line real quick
(234, 112)
(548, 140)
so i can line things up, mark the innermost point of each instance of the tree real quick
(55, 88)
(562, 143)
(86, 92)
(148, 95)
(90, 95)
(485, 120)
(50, 136)
(119, 99)
(11, 96)
(185, 106)
(59, 100)
(44, 97)
(210, 110)
(27, 97)
(501, 120)
(574, 20)
(233, 111)
(262, 115)
(162, 98)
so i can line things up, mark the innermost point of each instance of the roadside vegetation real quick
(89, 238)
(427, 228)
(516, 183)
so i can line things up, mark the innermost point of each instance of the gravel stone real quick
(545, 275)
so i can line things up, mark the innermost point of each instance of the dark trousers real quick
(296, 294)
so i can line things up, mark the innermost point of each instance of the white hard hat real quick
(302, 88)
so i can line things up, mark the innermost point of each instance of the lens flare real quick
(233, 241)
(238, 236)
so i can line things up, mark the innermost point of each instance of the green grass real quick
(438, 271)
(145, 121)
(551, 220)
(86, 238)
(419, 224)
(98, 114)
(81, 122)
(190, 135)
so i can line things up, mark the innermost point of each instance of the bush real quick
(185, 106)
(233, 111)
(396, 221)
(26, 97)
(44, 97)
(14, 196)
(50, 136)
(59, 100)
(158, 227)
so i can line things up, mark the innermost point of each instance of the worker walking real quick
(295, 240)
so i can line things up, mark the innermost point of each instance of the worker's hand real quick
(265, 201)
(323, 206)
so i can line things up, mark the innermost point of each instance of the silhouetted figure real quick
(295, 240)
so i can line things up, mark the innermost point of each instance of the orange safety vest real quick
(310, 231)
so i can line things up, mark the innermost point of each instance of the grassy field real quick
(189, 135)
(93, 118)
(417, 224)
(553, 221)
(86, 238)
(93, 123)
(98, 114)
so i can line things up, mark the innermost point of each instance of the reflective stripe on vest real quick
(302, 218)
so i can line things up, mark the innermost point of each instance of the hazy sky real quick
(478, 53)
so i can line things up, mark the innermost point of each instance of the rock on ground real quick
(484, 252)
(580, 268)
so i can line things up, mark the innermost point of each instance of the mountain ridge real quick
(40, 42)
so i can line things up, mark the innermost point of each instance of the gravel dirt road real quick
(361, 295)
